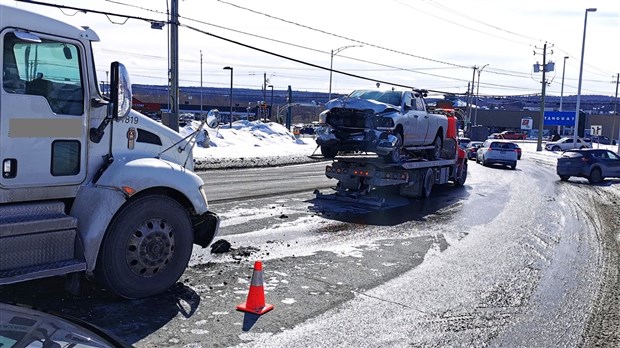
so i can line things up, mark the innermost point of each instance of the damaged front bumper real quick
(368, 140)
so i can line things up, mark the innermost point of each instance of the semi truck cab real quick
(88, 186)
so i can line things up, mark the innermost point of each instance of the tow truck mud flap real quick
(339, 203)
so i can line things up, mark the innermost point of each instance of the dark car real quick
(25, 327)
(593, 164)
(472, 148)
(518, 149)
(601, 139)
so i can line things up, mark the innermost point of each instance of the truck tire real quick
(429, 181)
(437, 150)
(146, 247)
(460, 181)
(328, 152)
(395, 156)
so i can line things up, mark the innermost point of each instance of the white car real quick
(494, 151)
(383, 122)
(566, 144)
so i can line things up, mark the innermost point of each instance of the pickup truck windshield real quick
(388, 97)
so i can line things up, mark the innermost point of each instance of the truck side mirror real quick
(120, 93)
(213, 118)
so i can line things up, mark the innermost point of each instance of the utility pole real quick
(470, 96)
(616, 112)
(541, 122)
(173, 121)
(265, 94)
(201, 117)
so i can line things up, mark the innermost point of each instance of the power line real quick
(341, 36)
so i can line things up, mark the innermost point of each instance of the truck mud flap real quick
(338, 202)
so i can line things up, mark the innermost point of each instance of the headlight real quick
(384, 122)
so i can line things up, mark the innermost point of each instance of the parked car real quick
(566, 144)
(472, 149)
(383, 122)
(510, 135)
(495, 151)
(26, 327)
(593, 164)
(518, 151)
(601, 139)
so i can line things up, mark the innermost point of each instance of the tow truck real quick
(414, 175)
(88, 186)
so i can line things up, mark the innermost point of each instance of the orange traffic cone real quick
(256, 298)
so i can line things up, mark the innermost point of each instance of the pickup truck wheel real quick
(429, 180)
(328, 152)
(435, 153)
(146, 247)
(556, 148)
(394, 156)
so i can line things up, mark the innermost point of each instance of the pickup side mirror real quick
(120, 93)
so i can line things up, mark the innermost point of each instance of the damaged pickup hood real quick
(361, 104)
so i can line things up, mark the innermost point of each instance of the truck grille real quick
(350, 118)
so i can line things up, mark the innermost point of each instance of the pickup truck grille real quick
(351, 118)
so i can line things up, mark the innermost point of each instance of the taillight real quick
(585, 159)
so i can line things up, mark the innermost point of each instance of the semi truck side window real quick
(50, 69)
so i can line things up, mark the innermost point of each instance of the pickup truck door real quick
(43, 123)
(421, 121)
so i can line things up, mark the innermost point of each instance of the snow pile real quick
(250, 144)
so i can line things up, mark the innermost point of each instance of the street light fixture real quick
(477, 94)
(331, 65)
(583, 47)
(231, 93)
(270, 105)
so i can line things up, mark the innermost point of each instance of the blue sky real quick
(431, 44)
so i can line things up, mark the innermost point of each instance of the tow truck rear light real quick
(328, 168)
(338, 170)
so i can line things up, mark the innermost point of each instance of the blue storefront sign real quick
(559, 118)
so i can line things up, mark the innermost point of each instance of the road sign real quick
(596, 130)
(526, 123)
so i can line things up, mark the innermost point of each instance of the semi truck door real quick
(43, 126)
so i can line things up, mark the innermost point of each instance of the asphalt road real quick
(514, 258)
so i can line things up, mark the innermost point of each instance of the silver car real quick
(495, 151)
(566, 144)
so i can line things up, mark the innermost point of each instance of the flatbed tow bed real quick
(359, 175)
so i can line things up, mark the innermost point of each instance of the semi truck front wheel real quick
(146, 248)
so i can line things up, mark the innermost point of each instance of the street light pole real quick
(231, 93)
(583, 47)
(331, 65)
(271, 104)
(562, 88)
(478, 93)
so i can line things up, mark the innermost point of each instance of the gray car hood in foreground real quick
(360, 104)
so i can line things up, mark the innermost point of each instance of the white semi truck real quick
(88, 186)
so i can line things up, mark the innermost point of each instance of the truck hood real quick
(361, 104)
(153, 139)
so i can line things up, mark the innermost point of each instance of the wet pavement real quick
(515, 258)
